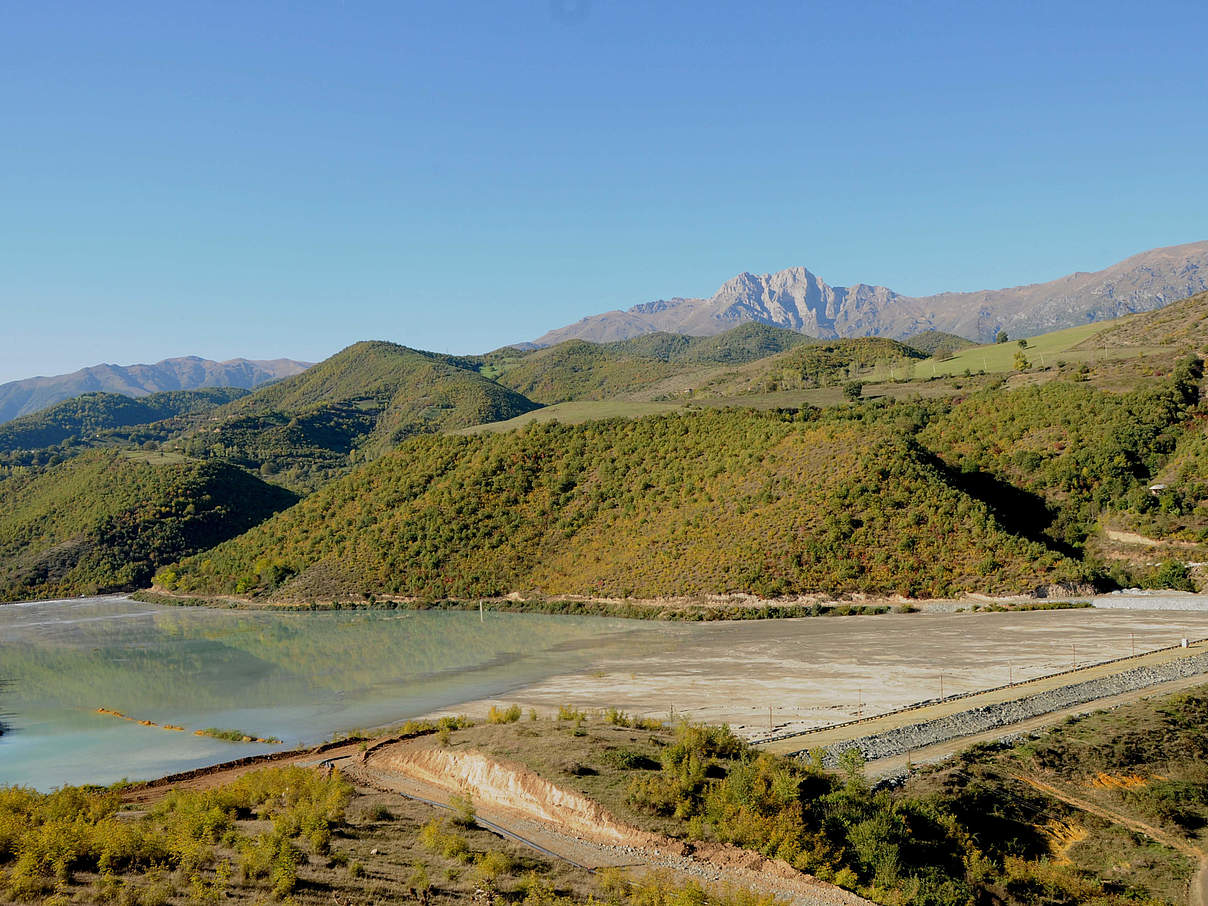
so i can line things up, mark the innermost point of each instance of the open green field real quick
(1042, 350)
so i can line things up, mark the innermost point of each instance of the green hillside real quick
(1072, 345)
(1182, 325)
(89, 415)
(686, 504)
(938, 343)
(825, 363)
(578, 370)
(104, 521)
(1064, 451)
(307, 429)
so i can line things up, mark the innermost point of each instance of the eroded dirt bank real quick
(577, 827)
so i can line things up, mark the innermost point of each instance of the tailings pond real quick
(297, 676)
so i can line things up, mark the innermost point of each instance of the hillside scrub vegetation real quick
(579, 370)
(102, 521)
(92, 417)
(993, 825)
(312, 427)
(707, 502)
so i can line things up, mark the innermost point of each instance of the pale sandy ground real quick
(818, 671)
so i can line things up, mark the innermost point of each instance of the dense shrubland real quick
(688, 504)
(104, 521)
(190, 841)
(968, 832)
(307, 429)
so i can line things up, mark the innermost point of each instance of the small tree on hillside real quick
(853, 390)
(1001, 337)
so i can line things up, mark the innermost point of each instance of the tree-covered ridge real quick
(710, 502)
(88, 416)
(579, 370)
(822, 364)
(936, 342)
(1077, 450)
(364, 400)
(104, 520)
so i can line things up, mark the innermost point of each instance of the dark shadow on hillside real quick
(1020, 512)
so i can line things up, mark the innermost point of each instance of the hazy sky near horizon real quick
(284, 178)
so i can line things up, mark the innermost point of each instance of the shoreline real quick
(738, 607)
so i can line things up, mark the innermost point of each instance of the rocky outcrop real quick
(800, 300)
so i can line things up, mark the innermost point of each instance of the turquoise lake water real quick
(297, 676)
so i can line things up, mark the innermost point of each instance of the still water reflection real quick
(296, 676)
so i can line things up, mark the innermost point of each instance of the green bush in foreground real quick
(46, 838)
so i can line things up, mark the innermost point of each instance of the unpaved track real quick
(636, 858)
(828, 736)
(1198, 892)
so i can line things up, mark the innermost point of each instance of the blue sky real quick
(281, 179)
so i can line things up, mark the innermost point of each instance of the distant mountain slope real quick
(104, 521)
(799, 300)
(19, 398)
(1182, 325)
(353, 406)
(701, 503)
(93, 413)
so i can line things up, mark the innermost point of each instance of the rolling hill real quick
(701, 503)
(351, 407)
(91, 414)
(23, 397)
(578, 370)
(105, 520)
(799, 300)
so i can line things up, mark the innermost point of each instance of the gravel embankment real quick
(903, 740)
(1146, 601)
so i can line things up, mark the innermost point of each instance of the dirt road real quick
(1198, 892)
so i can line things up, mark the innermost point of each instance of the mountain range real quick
(800, 300)
(22, 397)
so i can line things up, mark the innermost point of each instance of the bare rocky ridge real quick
(800, 300)
(22, 397)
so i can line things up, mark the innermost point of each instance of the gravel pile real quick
(990, 717)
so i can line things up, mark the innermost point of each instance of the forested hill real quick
(106, 519)
(998, 491)
(90, 414)
(685, 504)
(366, 399)
(578, 370)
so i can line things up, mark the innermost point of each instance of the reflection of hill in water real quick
(199, 659)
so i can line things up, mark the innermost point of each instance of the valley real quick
(728, 547)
